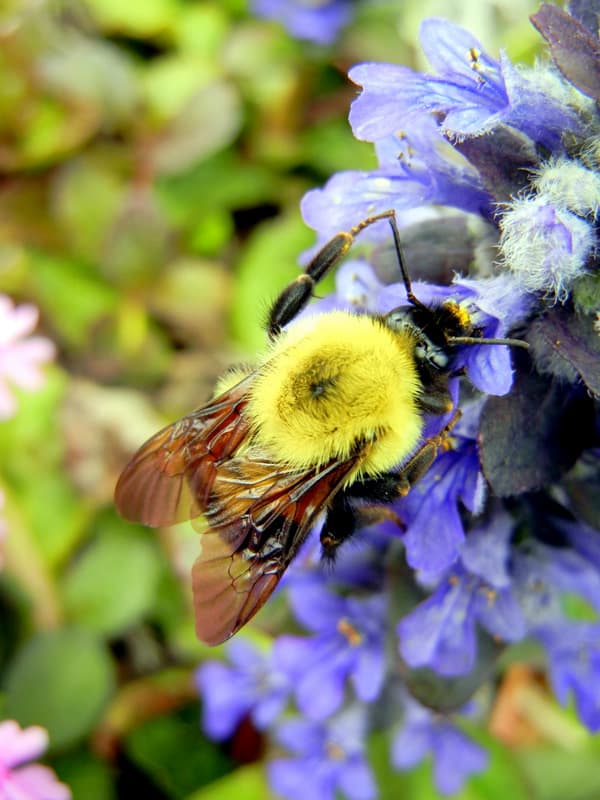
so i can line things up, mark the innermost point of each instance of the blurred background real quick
(153, 155)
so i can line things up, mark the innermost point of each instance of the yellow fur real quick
(332, 381)
(230, 378)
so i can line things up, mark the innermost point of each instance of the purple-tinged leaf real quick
(574, 50)
(561, 336)
(530, 437)
(503, 158)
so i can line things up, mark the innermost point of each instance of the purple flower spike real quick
(329, 759)
(473, 93)
(252, 684)
(348, 645)
(455, 756)
(435, 530)
(469, 91)
(574, 656)
(441, 632)
(491, 169)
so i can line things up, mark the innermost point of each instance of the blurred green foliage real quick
(152, 159)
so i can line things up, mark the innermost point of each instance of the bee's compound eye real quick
(396, 319)
(439, 358)
(427, 351)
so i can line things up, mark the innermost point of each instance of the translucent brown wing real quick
(169, 479)
(261, 515)
(257, 512)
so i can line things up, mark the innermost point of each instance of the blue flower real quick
(317, 22)
(253, 684)
(417, 168)
(471, 95)
(435, 529)
(574, 658)
(348, 645)
(330, 758)
(442, 139)
(441, 632)
(583, 539)
(543, 574)
(424, 733)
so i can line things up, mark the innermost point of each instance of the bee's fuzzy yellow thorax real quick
(333, 382)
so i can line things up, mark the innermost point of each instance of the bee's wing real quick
(169, 479)
(261, 514)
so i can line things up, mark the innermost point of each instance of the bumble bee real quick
(330, 422)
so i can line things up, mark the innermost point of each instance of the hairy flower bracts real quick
(492, 169)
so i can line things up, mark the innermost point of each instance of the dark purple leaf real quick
(529, 438)
(574, 50)
(585, 11)
(565, 342)
(503, 158)
(434, 251)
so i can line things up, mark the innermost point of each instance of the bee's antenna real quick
(391, 215)
(476, 340)
(402, 264)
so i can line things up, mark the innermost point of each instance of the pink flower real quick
(31, 782)
(21, 356)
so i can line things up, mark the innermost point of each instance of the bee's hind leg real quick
(422, 460)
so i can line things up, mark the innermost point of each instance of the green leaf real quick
(86, 776)
(171, 81)
(173, 751)
(234, 183)
(247, 782)
(197, 132)
(113, 583)
(98, 73)
(70, 295)
(53, 130)
(268, 264)
(55, 512)
(174, 298)
(137, 244)
(38, 492)
(87, 196)
(201, 29)
(392, 783)
(503, 776)
(61, 680)
(555, 774)
(29, 441)
(143, 18)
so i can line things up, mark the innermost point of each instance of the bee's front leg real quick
(297, 294)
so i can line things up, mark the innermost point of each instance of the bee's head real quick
(430, 347)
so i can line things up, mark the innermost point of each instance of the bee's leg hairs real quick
(297, 294)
